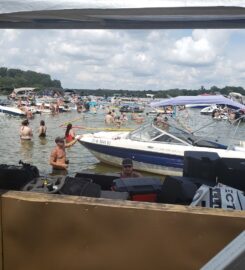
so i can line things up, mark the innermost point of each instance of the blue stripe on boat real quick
(137, 155)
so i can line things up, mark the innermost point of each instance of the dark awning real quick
(112, 14)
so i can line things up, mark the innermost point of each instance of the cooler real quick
(140, 189)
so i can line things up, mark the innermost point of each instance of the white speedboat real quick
(11, 111)
(152, 148)
(47, 107)
(162, 111)
(209, 110)
(64, 108)
(44, 111)
(197, 106)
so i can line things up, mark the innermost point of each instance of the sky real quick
(129, 59)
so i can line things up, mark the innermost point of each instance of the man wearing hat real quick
(58, 156)
(128, 170)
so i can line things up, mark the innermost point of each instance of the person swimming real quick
(42, 129)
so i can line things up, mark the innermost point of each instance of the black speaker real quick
(80, 187)
(200, 165)
(64, 185)
(14, 177)
(231, 172)
(176, 189)
(104, 180)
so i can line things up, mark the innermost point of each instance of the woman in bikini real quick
(69, 134)
(42, 129)
(25, 131)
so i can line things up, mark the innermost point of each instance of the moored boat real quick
(129, 108)
(153, 149)
(209, 110)
(11, 111)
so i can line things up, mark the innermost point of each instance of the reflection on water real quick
(43, 141)
(26, 150)
(58, 172)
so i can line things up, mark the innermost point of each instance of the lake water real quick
(37, 152)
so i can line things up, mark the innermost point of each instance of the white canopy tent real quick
(119, 14)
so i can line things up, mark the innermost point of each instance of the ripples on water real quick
(37, 152)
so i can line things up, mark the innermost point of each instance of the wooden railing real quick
(55, 232)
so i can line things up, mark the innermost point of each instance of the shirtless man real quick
(109, 119)
(128, 170)
(25, 131)
(58, 156)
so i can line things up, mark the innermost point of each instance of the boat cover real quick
(118, 14)
(184, 100)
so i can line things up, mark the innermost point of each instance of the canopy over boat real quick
(120, 14)
(183, 100)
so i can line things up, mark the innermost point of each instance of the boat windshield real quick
(152, 133)
(172, 135)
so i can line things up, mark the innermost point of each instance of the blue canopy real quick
(184, 100)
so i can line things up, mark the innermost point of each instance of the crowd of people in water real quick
(27, 107)
(58, 155)
(58, 158)
(26, 133)
(112, 118)
(227, 114)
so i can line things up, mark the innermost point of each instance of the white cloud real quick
(203, 47)
(120, 59)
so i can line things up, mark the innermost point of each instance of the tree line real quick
(11, 78)
(161, 93)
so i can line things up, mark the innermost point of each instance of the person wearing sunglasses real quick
(128, 170)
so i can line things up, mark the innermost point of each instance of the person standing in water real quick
(42, 129)
(118, 122)
(69, 134)
(58, 156)
(25, 131)
(109, 119)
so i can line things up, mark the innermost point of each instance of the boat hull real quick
(11, 111)
(143, 160)
(153, 157)
(197, 106)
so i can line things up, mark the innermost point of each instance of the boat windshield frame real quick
(159, 132)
